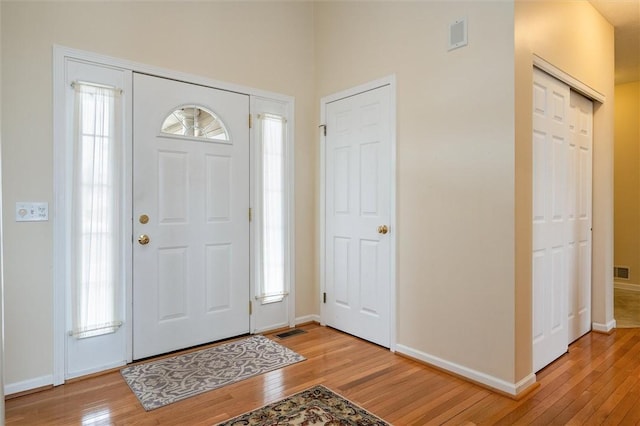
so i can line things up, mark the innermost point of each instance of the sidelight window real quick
(273, 218)
(96, 229)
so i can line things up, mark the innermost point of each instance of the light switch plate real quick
(32, 211)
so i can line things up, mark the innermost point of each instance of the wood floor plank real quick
(580, 410)
(584, 357)
(623, 407)
(596, 382)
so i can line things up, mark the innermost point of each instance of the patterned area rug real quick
(315, 406)
(169, 380)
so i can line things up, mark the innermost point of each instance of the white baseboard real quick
(271, 327)
(513, 389)
(80, 373)
(308, 318)
(38, 382)
(626, 286)
(604, 328)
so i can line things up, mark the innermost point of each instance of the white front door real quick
(551, 248)
(357, 215)
(191, 199)
(580, 182)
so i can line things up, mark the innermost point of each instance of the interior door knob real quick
(143, 239)
(383, 229)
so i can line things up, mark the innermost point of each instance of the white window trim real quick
(60, 241)
(264, 104)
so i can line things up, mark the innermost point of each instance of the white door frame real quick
(59, 211)
(573, 83)
(385, 81)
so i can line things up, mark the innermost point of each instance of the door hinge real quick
(250, 214)
(250, 307)
(324, 297)
(324, 129)
(250, 121)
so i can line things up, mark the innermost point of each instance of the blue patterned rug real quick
(165, 381)
(315, 406)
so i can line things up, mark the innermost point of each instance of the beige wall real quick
(267, 46)
(464, 165)
(575, 38)
(627, 180)
(455, 179)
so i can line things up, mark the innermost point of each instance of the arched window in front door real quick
(194, 121)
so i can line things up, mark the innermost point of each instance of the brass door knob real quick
(143, 239)
(383, 229)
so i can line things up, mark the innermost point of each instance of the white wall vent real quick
(621, 272)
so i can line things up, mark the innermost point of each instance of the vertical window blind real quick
(96, 228)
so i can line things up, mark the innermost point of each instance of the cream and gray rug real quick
(315, 406)
(172, 379)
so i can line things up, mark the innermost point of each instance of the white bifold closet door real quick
(561, 262)
(580, 205)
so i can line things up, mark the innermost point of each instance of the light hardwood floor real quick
(597, 382)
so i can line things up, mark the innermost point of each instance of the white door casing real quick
(97, 356)
(580, 218)
(87, 356)
(273, 314)
(191, 281)
(358, 171)
(550, 218)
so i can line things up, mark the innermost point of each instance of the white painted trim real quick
(372, 85)
(61, 216)
(252, 223)
(291, 177)
(37, 382)
(323, 165)
(492, 382)
(392, 215)
(567, 78)
(128, 206)
(271, 327)
(307, 318)
(525, 384)
(59, 226)
(60, 54)
(287, 109)
(385, 81)
(604, 328)
(88, 371)
(166, 73)
(626, 286)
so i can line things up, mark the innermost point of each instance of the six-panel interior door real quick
(191, 279)
(551, 224)
(579, 190)
(357, 263)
